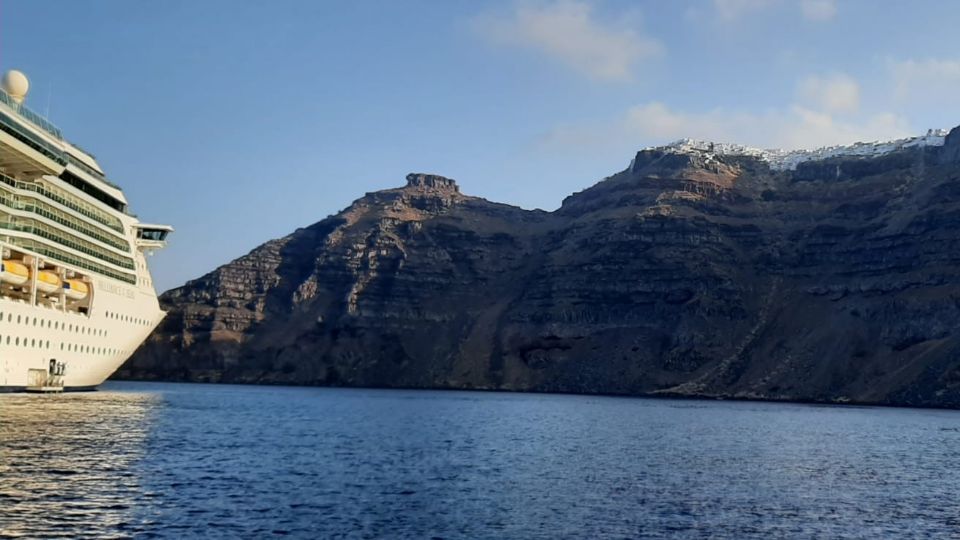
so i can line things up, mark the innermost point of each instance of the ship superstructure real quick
(76, 297)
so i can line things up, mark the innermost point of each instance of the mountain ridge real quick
(685, 274)
(781, 159)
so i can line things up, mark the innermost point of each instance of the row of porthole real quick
(56, 325)
(127, 318)
(68, 347)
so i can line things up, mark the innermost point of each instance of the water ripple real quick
(179, 461)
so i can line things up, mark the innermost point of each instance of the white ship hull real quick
(76, 296)
(85, 349)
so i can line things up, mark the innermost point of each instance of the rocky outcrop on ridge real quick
(690, 273)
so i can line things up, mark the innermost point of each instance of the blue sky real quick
(239, 121)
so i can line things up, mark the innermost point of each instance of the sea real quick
(145, 460)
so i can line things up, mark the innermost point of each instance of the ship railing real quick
(91, 171)
(35, 188)
(38, 208)
(122, 262)
(41, 380)
(31, 116)
(64, 257)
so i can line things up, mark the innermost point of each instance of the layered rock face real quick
(689, 273)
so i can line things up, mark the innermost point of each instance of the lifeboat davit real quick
(48, 282)
(14, 272)
(75, 289)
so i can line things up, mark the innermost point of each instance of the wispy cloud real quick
(790, 127)
(812, 10)
(729, 10)
(836, 93)
(931, 79)
(570, 32)
(806, 124)
(818, 10)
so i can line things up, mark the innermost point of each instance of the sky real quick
(238, 121)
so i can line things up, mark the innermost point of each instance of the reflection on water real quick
(184, 461)
(68, 463)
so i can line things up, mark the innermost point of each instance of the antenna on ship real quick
(16, 85)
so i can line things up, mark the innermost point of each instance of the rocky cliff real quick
(693, 272)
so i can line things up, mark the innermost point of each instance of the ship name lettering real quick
(113, 288)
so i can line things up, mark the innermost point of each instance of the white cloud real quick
(569, 31)
(729, 10)
(818, 10)
(791, 127)
(837, 93)
(928, 80)
(811, 122)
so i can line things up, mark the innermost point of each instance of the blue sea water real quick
(181, 461)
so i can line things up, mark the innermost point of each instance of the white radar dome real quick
(16, 84)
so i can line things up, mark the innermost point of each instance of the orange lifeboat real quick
(75, 289)
(48, 282)
(14, 272)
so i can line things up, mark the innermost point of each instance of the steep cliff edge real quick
(697, 271)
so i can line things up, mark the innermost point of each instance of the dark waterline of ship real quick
(180, 461)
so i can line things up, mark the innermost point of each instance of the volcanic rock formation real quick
(694, 272)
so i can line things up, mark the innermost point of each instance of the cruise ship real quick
(76, 297)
